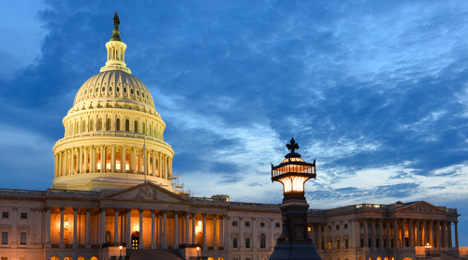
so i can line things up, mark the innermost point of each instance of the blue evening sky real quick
(376, 91)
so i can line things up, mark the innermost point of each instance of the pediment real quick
(145, 192)
(421, 206)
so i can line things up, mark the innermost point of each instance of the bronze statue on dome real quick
(116, 32)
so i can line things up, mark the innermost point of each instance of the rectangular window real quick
(5, 214)
(346, 243)
(361, 225)
(247, 223)
(309, 229)
(321, 228)
(329, 228)
(391, 226)
(4, 258)
(247, 242)
(376, 225)
(338, 246)
(234, 242)
(234, 223)
(24, 215)
(377, 242)
(4, 238)
(23, 238)
(384, 226)
(337, 227)
(345, 226)
(277, 224)
(323, 245)
(329, 245)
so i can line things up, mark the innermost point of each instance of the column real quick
(72, 161)
(79, 169)
(373, 233)
(437, 235)
(62, 224)
(187, 223)
(358, 234)
(395, 232)
(133, 160)
(123, 159)
(319, 242)
(47, 229)
(92, 159)
(165, 229)
(154, 174)
(431, 237)
(204, 232)
(418, 233)
(366, 239)
(103, 159)
(456, 234)
(88, 221)
(403, 239)
(153, 227)
(176, 229)
(388, 233)
(215, 242)
(141, 245)
(129, 235)
(116, 227)
(103, 224)
(194, 239)
(444, 232)
(75, 228)
(325, 235)
(424, 232)
(113, 159)
(450, 244)
(410, 232)
(226, 233)
(381, 243)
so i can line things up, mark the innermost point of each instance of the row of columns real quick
(438, 233)
(158, 230)
(87, 161)
(116, 124)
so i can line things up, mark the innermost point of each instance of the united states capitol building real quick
(113, 196)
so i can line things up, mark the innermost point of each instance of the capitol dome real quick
(113, 134)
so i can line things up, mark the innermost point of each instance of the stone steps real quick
(154, 254)
(445, 255)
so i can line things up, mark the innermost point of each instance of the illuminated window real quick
(338, 244)
(329, 245)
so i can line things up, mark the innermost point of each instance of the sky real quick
(375, 91)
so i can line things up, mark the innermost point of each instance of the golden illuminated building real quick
(113, 186)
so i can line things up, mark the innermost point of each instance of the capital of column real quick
(61, 208)
(141, 210)
(75, 209)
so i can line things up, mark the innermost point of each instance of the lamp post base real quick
(295, 251)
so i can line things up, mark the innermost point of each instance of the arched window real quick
(262, 241)
(127, 162)
(137, 161)
(108, 161)
(91, 125)
(118, 124)
(98, 162)
(83, 125)
(157, 167)
(127, 125)
(143, 128)
(118, 158)
(108, 125)
(150, 162)
(99, 128)
(135, 127)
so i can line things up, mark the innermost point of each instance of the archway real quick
(135, 239)
(210, 258)
(407, 258)
(379, 258)
(94, 258)
(81, 258)
(68, 258)
(54, 258)
(220, 258)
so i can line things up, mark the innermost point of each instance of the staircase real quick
(445, 255)
(154, 254)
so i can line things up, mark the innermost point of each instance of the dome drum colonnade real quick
(113, 127)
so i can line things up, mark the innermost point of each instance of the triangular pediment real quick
(421, 206)
(145, 192)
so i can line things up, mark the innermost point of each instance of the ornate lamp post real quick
(120, 258)
(294, 242)
(428, 247)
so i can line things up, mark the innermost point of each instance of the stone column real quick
(154, 173)
(226, 233)
(456, 234)
(187, 225)
(72, 161)
(113, 159)
(116, 227)
(449, 230)
(366, 239)
(129, 234)
(103, 225)
(215, 242)
(88, 222)
(388, 233)
(319, 242)
(80, 160)
(153, 227)
(141, 245)
(373, 233)
(418, 233)
(410, 233)
(194, 241)
(403, 239)
(165, 230)
(123, 159)
(395, 233)
(133, 160)
(176, 229)
(381, 243)
(204, 246)
(47, 229)
(103, 158)
(62, 224)
(424, 232)
(75, 228)
(93, 158)
(437, 235)
(325, 234)
(431, 237)
(444, 228)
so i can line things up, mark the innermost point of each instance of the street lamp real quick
(198, 253)
(120, 247)
(294, 243)
(428, 247)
